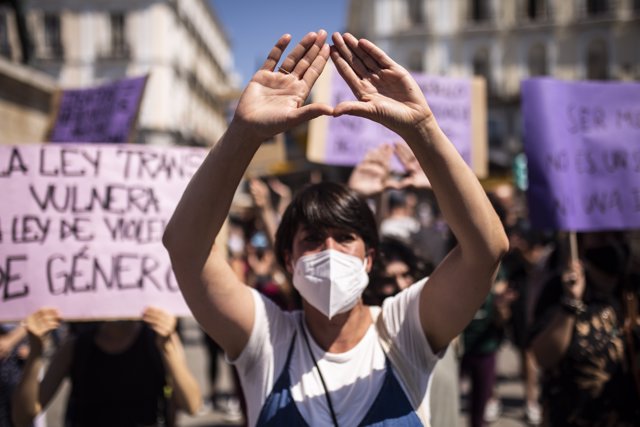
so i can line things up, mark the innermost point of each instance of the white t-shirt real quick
(353, 378)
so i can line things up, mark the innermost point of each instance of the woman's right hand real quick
(274, 100)
(40, 323)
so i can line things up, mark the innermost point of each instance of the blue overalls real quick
(390, 408)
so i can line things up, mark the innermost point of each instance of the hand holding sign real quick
(573, 280)
(40, 323)
(162, 322)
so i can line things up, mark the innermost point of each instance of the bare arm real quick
(284, 192)
(186, 390)
(10, 340)
(30, 396)
(387, 93)
(551, 344)
(271, 103)
(262, 199)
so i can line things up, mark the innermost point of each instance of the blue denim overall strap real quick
(279, 409)
(390, 408)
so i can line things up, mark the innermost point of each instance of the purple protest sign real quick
(348, 137)
(104, 113)
(81, 228)
(582, 141)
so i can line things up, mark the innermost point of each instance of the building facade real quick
(506, 41)
(180, 44)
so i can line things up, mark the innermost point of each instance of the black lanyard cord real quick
(324, 385)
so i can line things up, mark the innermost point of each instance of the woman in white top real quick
(336, 362)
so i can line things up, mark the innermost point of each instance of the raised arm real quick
(31, 396)
(262, 201)
(271, 103)
(386, 93)
(186, 390)
(551, 344)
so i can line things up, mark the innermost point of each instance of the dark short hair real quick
(323, 206)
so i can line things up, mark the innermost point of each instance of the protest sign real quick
(582, 141)
(459, 105)
(106, 113)
(81, 228)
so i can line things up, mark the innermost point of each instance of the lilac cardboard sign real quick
(106, 113)
(582, 141)
(81, 228)
(348, 137)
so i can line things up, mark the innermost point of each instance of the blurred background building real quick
(183, 47)
(506, 41)
(180, 44)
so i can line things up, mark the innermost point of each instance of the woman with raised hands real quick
(336, 361)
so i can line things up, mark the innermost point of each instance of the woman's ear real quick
(288, 263)
(370, 256)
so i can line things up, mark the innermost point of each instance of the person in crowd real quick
(122, 373)
(399, 223)
(261, 196)
(396, 268)
(582, 336)
(13, 353)
(263, 273)
(525, 269)
(267, 212)
(481, 341)
(337, 361)
(482, 338)
(226, 402)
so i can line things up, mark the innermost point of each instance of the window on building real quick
(415, 9)
(597, 61)
(119, 46)
(5, 47)
(415, 62)
(480, 11)
(537, 60)
(536, 9)
(52, 34)
(597, 7)
(481, 65)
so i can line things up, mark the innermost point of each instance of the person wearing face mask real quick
(579, 337)
(336, 361)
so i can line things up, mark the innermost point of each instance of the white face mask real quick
(330, 280)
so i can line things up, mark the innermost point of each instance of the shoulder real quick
(272, 329)
(405, 300)
(405, 305)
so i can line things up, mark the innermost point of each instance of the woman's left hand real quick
(385, 91)
(162, 323)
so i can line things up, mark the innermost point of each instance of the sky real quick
(253, 27)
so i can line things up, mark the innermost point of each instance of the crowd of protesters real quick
(573, 318)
